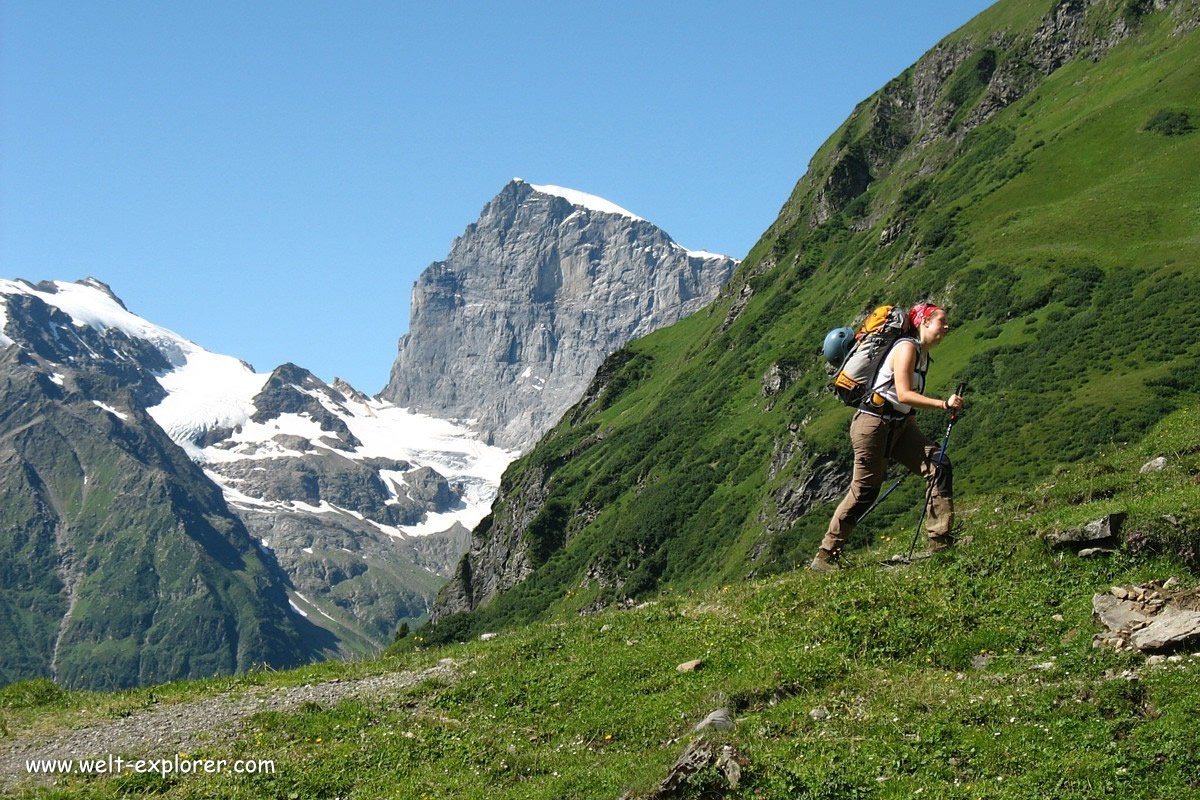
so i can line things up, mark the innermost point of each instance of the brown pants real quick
(876, 440)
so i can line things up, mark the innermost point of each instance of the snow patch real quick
(313, 606)
(703, 254)
(118, 414)
(4, 340)
(58, 378)
(584, 200)
(297, 608)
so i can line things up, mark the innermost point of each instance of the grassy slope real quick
(591, 707)
(1062, 237)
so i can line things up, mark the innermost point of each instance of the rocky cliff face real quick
(510, 328)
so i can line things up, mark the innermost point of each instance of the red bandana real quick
(920, 313)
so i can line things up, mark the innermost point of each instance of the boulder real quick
(1156, 465)
(1171, 627)
(1105, 529)
(721, 719)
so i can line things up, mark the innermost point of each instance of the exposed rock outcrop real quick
(1150, 618)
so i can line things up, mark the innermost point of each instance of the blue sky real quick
(269, 178)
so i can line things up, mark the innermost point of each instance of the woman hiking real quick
(885, 427)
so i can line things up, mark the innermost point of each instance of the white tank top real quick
(885, 382)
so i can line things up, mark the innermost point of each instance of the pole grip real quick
(962, 388)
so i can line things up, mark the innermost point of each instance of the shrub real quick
(1169, 123)
(31, 693)
(1177, 537)
(1134, 10)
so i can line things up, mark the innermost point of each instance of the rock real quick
(730, 763)
(1104, 529)
(1117, 614)
(981, 661)
(1045, 666)
(1059, 618)
(698, 755)
(690, 666)
(1157, 465)
(721, 719)
(487, 637)
(819, 713)
(605, 628)
(1171, 627)
(1093, 552)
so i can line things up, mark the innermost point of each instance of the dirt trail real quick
(174, 728)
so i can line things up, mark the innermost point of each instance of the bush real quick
(31, 694)
(1177, 537)
(1134, 10)
(1169, 123)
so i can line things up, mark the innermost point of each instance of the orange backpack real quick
(856, 376)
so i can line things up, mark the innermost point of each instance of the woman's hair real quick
(921, 312)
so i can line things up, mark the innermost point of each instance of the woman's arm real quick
(904, 360)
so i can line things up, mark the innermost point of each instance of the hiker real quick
(885, 427)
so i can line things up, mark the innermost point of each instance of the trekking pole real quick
(962, 387)
(882, 497)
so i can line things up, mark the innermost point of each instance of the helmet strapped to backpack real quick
(838, 344)
(870, 346)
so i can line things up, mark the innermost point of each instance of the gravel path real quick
(175, 728)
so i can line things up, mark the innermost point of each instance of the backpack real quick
(856, 376)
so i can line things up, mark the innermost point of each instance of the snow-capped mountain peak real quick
(221, 412)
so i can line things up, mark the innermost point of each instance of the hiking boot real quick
(824, 561)
(939, 543)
